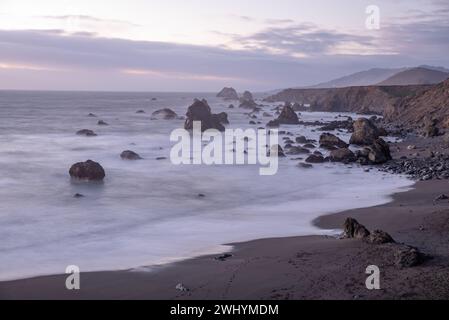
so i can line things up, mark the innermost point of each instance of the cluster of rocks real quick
(200, 111)
(404, 256)
(436, 167)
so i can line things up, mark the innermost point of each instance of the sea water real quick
(148, 212)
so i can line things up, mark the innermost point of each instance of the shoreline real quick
(303, 267)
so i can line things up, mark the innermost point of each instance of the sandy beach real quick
(312, 267)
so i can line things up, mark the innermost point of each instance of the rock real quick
(301, 139)
(247, 96)
(297, 150)
(228, 94)
(130, 155)
(314, 158)
(273, 124)
(266, 114)
(330, 141)
(102, 123)
(379, 237)
(231, 106)
(93, 115)
(379, 152)
(441, 197)
(223, 257)
(353, 229)
(280, 151)
(86, 132)
(365, 132)
(78, 195)
(200, 111)
(305, 165)
(181, 287)
(342, 155)
(89, 170)
(221, 117)
(407, 256)
(248, 104)
(161, 158)
(140, 111)
(165, 114)
(288, 116)
(309, 146)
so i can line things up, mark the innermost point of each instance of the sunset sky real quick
(175, 45)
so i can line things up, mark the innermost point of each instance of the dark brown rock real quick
(86, 132)
(353, 229)
(288, 116)
(330, 141)
(365, 132)
(130, 155)
(89, 170)
(342, 155)
(200, 111)
(314, 158)
(379, 152)
(379, 237)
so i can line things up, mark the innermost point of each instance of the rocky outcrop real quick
(342, 155)
(89, 171)
(248, 104)
(130, 155)
(288, 116)
(365, 132)
(247, 96)
(200, 111)
(228, 94)
(330, 141)
(165, 114)
(86, 132)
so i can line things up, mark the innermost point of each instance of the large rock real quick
(288, 116)
(166, 114)
(330, 141)
(221, 117)
(379, 152)
(365, 132)
(342, 155)
(89, 170)
(407, 256)
(247, 96)
(130, 155)
(200, 111)
(353, 229)
(228, 94)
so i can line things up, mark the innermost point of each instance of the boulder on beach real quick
(379, 237)
(165, 114)
(353, 229)
(89, 170)
(130, 155)
(228, 94)
(365, 132)
(430, 128)
(86, 132)
(407, 256)
(330, 141)
(200, 111)
(379, 152)
(342, 155)
(288, 116)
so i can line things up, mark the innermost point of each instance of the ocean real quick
(148, 212)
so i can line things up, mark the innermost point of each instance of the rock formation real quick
(130, 155)
(165, 114)
(89, 170)
(330, 141)
(200, 111)
(228, 94)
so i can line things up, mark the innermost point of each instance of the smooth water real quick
(147, 212)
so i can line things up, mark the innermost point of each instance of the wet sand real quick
(312, 267)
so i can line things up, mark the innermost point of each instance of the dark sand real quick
(311, 267)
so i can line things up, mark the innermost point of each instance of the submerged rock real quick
(89, 170)
(86, 132)
(102, 123)
(165, 114)
(130, 155)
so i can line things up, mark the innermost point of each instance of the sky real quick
(199, 45)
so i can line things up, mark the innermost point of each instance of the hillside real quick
(415, 111)
(416, 76)
(363, 78)
(362, 99)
